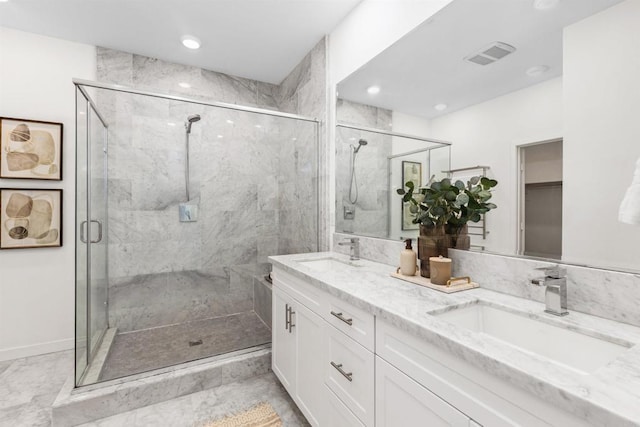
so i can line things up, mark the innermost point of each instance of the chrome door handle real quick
(347, 375)
(99, 239)
(341, 317)
(83, 238)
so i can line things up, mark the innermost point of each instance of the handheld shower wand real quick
(187, 125)
(353, 182)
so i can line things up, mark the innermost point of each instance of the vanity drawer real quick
(313, 298)
(349, 373)
(354, 322)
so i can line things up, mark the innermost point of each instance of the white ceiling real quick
(257, 39)
(426, 67)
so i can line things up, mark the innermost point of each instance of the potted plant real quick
(443, 209)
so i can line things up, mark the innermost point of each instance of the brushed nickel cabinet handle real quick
(341, 317)
(347, 375)
(291, 325)
(287, 318)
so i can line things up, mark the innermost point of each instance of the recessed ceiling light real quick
(191, 42)
(171, 124)
(258, 126)
(537, 70)
(440, 107)
(4, 1)
(230, 122)
(294, 139)
(184, 85)
(545, 4)
(373, 90)
(220, 136)
(82, 113)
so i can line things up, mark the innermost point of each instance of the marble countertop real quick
(608, 396)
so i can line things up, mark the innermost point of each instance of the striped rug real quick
(261, 415)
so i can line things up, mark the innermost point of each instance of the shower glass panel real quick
(91, 267)
(185, 287)
(372, 164)
(82, 262)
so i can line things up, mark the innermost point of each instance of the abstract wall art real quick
(30, 218)
(411, 171)
(30, 149)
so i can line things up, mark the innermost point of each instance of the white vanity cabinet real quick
(343, 367)
(319, 356)
(298, 354)
(400, 401)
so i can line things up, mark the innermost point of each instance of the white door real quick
(311, 354)
(283, 337)
(400, 401)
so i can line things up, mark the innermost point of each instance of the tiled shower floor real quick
(145, 350)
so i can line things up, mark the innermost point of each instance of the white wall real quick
(37, 285)
(602, 135)
(370, 28)
(488, 134)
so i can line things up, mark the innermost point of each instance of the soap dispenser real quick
(408, 260)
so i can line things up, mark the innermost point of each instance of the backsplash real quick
(609, 294)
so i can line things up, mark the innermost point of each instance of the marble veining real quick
(608, 396)
(609, 294)
(255, 178)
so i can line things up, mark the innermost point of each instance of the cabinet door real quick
(283, 359)
(400, 401)
(338, 415)
(309, 395)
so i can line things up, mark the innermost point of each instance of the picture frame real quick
(30, 218)
(30, 149)
(411, 171)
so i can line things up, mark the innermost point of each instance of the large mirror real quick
(541, 95)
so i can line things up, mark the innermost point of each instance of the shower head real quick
(191, 119)
(361, 144)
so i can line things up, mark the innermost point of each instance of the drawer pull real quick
(341, 317)
(288, 321)
(347, 375)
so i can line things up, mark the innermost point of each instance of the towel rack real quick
(480, 227)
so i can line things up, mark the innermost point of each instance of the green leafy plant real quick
(453, 205)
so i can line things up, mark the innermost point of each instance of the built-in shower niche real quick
(179, 291)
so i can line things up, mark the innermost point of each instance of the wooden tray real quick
(423, 281)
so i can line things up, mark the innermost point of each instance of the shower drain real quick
(194, 343)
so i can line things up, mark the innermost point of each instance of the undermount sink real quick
(328, 264)
(575, 350)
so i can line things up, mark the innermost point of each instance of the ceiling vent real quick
(491, 53)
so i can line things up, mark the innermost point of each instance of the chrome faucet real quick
(354, 244)
(555, 294)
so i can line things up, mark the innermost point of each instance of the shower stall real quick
(156, 287)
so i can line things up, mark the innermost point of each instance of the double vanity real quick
(356, 347)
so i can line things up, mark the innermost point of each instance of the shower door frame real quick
(81, 84)
(91, 349)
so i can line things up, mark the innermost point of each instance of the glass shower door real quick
(91, 243)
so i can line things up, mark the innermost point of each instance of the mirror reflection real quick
(533, 97)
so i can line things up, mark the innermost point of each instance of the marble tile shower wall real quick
(254, 176)
(371, 169)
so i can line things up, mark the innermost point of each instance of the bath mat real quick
(261, 415)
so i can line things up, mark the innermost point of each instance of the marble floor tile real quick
(28, 387)
(198, 408)
(140, 351)
(28, 403)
